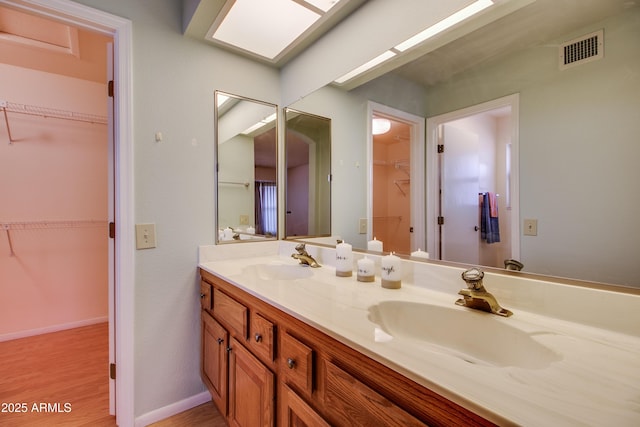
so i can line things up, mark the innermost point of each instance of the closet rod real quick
(32, 110)
(246, 184)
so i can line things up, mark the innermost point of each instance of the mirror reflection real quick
(577, 133)
(246, 172)
(308, 169)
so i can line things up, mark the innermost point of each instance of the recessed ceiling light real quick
(265, 28)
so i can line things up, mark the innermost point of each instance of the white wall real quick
(578, 149)
(174, 78)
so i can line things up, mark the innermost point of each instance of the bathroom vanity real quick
(287, 344)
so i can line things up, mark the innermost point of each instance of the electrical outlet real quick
(530, 227)
(145, 236)
(363, 226)
(244, 219)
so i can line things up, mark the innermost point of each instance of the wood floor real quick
(56, 379)
(60, 379)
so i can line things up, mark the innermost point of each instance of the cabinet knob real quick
(291, 363)
(220, 340)
(203, 295)
(258, 337)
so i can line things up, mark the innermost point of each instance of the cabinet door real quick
(215, 341)
(251, 389)
(296, 413)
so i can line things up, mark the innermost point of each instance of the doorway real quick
(396, 173)
(474, 166)
(58, 155)
(121, 263)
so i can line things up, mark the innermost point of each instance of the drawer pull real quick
(291, 363)
(220, 340)
(258, 337)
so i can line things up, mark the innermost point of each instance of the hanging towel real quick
(489, 227)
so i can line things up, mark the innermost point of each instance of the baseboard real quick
(172, 409)
(53, 328)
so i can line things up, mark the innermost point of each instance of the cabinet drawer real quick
(230, 312)
(354, 403)
(205, 295)
(296, 359)
(262, 336)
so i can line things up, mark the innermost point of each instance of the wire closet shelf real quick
(33, 110)
(46, 225)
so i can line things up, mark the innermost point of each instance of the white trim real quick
(433, 123)
(121, 30)
(417, 123)
(53, 328)
(172, 409)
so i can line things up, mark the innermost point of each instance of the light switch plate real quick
(530, 227)
(145, 236)
(362, 226)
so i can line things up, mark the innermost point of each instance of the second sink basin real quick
(279, 271)
(475, 337)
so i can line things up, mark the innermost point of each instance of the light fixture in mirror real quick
(380, 125)
(308, 174)
(246, 169)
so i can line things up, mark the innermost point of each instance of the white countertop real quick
(594, 380)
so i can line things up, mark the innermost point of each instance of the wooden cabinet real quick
(263, 366)
(240, 385)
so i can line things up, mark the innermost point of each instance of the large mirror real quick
(577, 136)
(246, 169)
(307, 174)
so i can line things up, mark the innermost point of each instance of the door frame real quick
(417, 163)
(433, 123)
(122, 280)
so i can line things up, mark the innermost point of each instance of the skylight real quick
(266, 28)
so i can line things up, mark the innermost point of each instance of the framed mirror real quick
(246, 169)
(577, 132)
(308, 174)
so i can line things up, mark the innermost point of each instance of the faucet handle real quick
(473, 278)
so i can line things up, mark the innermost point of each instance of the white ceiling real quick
(534, 24)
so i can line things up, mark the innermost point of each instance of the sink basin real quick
(475, 337)
(279, 271)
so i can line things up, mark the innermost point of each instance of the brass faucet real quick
(477, 297)
(304, 257)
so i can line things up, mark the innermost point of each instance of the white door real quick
(459, 191)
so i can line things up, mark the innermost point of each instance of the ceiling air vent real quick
(583, 49)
